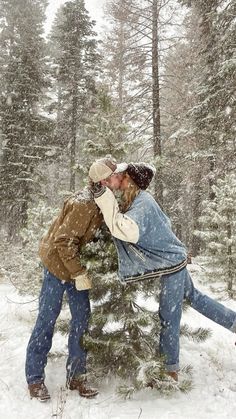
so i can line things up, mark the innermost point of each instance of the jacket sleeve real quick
(120, 225)
(68, 237)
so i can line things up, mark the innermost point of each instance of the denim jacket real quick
(154, 250)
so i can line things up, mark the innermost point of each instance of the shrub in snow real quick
(124, 333)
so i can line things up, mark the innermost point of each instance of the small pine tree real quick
(123, 336)
(218, 233)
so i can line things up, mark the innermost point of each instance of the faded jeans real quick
(50, 302)
(174, 289)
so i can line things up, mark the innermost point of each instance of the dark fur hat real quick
(141, 174)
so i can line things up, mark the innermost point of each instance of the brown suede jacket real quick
(75, 225)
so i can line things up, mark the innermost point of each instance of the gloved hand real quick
(97, 189)
(83, 282)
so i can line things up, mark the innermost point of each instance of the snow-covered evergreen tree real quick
(24, 130)
(27, 275)
(124, 333)
(104, 133)
(73, 50)
(218, 233)
(184, 169)
(20, 262)
(198, 112)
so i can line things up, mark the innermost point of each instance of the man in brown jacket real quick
(59, 251)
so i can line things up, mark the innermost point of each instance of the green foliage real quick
(75, 66)
(198, 112)
(199, 334)
(123, 336)
(104, 133)
(96, 119)
(73, 52)
(217, 232)
(215, 92)
(105, 128)
(29, 274)
(151, 375)
(120, 329)
(24, 130)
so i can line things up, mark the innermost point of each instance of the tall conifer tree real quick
(75, 60)
(23, 80)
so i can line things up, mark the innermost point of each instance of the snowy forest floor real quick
(213, 362)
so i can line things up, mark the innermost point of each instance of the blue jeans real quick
(174, 289)
(50, 302)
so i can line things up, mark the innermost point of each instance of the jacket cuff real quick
(99, 192)
(82, 271)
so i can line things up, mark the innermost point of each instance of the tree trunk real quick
(156, 102)
(197, 198)
(121, 67)
(229, 259)
(211, 176)
(73, 139)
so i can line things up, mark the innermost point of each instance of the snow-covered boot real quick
(82, 387)
(172, 374)
(39, 391)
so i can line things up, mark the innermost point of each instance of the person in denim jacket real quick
(148, 249)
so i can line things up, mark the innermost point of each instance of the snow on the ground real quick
(213, 361)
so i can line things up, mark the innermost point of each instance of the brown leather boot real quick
(173, 374)
(39, 391)
(83, 388)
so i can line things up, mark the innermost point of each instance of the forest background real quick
(156, 85)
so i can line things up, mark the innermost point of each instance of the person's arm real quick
(120, 225)
(68, 237)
